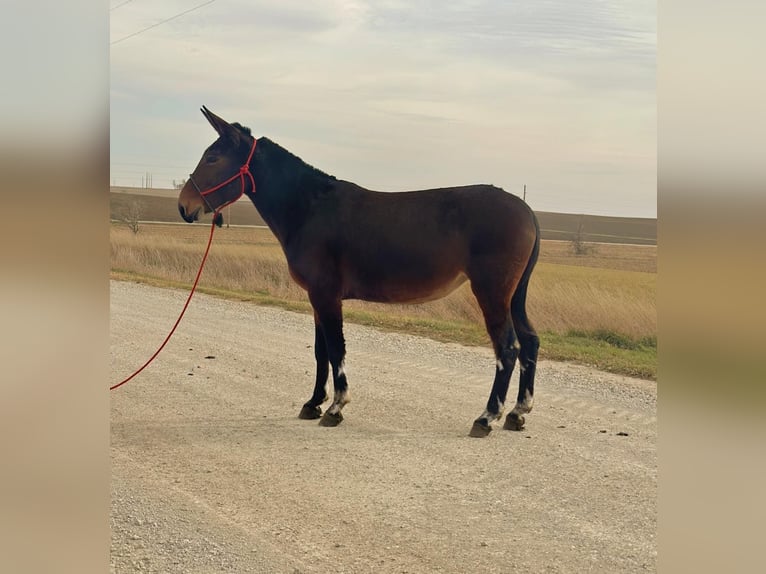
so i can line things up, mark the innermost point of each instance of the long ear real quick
(224, 128)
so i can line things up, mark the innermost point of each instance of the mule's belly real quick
(403, 291)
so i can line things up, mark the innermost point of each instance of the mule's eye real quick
(211, 159)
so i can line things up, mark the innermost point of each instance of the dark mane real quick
(243, 129)
(281, 159)
(280, 154)
(299, 185)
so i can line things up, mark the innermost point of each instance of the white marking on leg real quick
(340, 400)
(524, 406)
(493, 416)
(499, 365)
(488, 416)
(342, 368)
(528, 400)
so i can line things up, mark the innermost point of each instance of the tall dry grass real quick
(562, 297)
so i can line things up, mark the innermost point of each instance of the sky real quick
(397, 95)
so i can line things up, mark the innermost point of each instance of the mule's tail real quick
(519, 298)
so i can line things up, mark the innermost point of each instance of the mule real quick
(343, 241)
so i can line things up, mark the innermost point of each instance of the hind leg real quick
(500, 328)
(530, 343)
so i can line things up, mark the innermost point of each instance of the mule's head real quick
(224, 160)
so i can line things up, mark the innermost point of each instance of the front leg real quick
(330, 316)
(312, 408)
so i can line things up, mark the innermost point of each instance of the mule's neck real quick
(285, 188)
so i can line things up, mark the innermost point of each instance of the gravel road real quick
(212, 471)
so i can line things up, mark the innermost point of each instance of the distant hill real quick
(161, 205)
(598, 228)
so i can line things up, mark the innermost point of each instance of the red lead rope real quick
(243, 171)
(194, 287)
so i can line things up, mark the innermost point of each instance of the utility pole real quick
(525, 192)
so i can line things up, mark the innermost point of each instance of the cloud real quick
(537, 87)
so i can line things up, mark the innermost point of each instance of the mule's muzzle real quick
(190, 217)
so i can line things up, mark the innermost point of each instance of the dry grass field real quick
(597, 309)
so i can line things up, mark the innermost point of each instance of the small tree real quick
(179, 184)
(579, 246)
(131, 215)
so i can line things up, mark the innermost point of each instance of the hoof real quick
(514, 422)
(310, 413)
(330, 420)
(479, 430)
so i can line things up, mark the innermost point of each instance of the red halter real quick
(243, 171)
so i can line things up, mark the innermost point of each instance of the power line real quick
(123, 4)
(161, 22)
